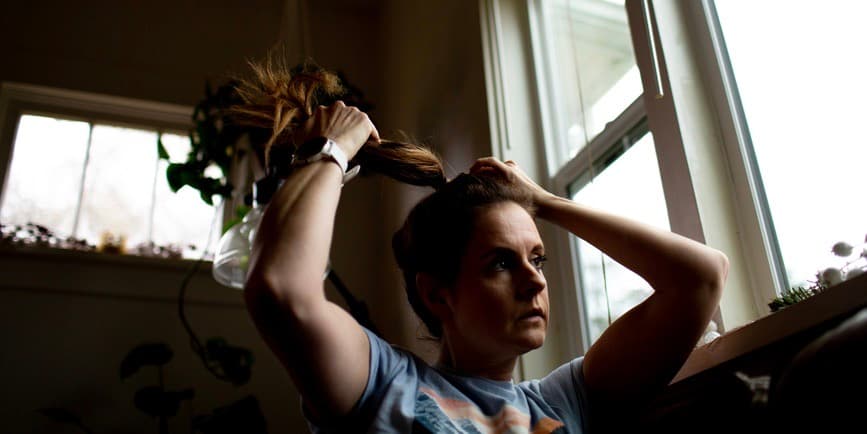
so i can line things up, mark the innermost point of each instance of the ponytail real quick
(281, 100)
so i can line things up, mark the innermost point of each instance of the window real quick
(101, 181)
(626, 181)
(591, 67)
(801, 97)
(750, 132)
(604, 155)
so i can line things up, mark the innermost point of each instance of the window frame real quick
(708, 158)
(18, 99)
(707, 180)
(712, 57)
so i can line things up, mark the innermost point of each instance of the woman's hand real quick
(510, 173)
(349, 127)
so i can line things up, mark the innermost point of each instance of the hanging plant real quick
(213, 142)
(215, 137)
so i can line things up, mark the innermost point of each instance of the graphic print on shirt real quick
(437, 414)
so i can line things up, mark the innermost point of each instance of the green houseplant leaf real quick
(144, 355)
(161, 149)
(235, 362)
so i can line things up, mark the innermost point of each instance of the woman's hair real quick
(436, 232)
(281, 99)
(435, 235)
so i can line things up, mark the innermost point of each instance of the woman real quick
(472, 259)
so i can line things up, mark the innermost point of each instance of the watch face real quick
(310, 147)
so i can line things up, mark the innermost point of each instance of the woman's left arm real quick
(641, 351)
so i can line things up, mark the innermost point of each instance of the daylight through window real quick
(104, 184)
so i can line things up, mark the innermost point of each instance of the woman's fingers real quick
(374, 134)
(347, 125)
(511, 173)
(489, 164)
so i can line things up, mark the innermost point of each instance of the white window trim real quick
(705, 180)
(613, 132)
(17, 99)
(709, 179)
(752, 220)
(88, 273)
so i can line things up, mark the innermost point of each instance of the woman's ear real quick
(434, 295)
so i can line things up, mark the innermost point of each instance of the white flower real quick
(842, 248)
(854, 272)
(831, 276)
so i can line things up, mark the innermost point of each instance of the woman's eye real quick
(539, 262)
(500, 265)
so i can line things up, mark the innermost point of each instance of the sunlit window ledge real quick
(50, 270)
(834, 302)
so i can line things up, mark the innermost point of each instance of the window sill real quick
(49, 270)
(808, 314)
(50, 253)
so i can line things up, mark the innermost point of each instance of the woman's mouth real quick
(532, 315)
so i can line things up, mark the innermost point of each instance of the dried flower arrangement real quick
(855, 264)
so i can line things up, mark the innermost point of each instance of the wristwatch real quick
(323, 148)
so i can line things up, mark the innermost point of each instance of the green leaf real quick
(181, 174)
(145, 355)
(174, 177)
(240, 212)
(235, 362)
(206, 196)
(161, 149)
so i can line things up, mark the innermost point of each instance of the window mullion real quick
(612, 134)
(83, 180)
(698, 181)
(154, 191)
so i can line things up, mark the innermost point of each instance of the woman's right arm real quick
(324, 349)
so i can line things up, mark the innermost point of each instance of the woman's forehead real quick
(505, 224)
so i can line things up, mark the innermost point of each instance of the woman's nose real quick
(534, 281)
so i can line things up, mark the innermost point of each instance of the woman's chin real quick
(532, 339)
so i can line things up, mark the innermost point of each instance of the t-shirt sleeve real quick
(385, 363)
(565, 391)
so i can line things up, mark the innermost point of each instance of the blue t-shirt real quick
(406, 395)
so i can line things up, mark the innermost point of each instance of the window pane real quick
(119, 185)
(593, 72)
(181, 218)
(44, 179)
(630, 186)
(803, 95)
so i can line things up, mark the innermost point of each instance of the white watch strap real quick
(331, 151)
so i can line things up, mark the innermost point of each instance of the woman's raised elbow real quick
(716, 271)
(289, 296)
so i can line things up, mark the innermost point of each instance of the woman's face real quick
(499, 304)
